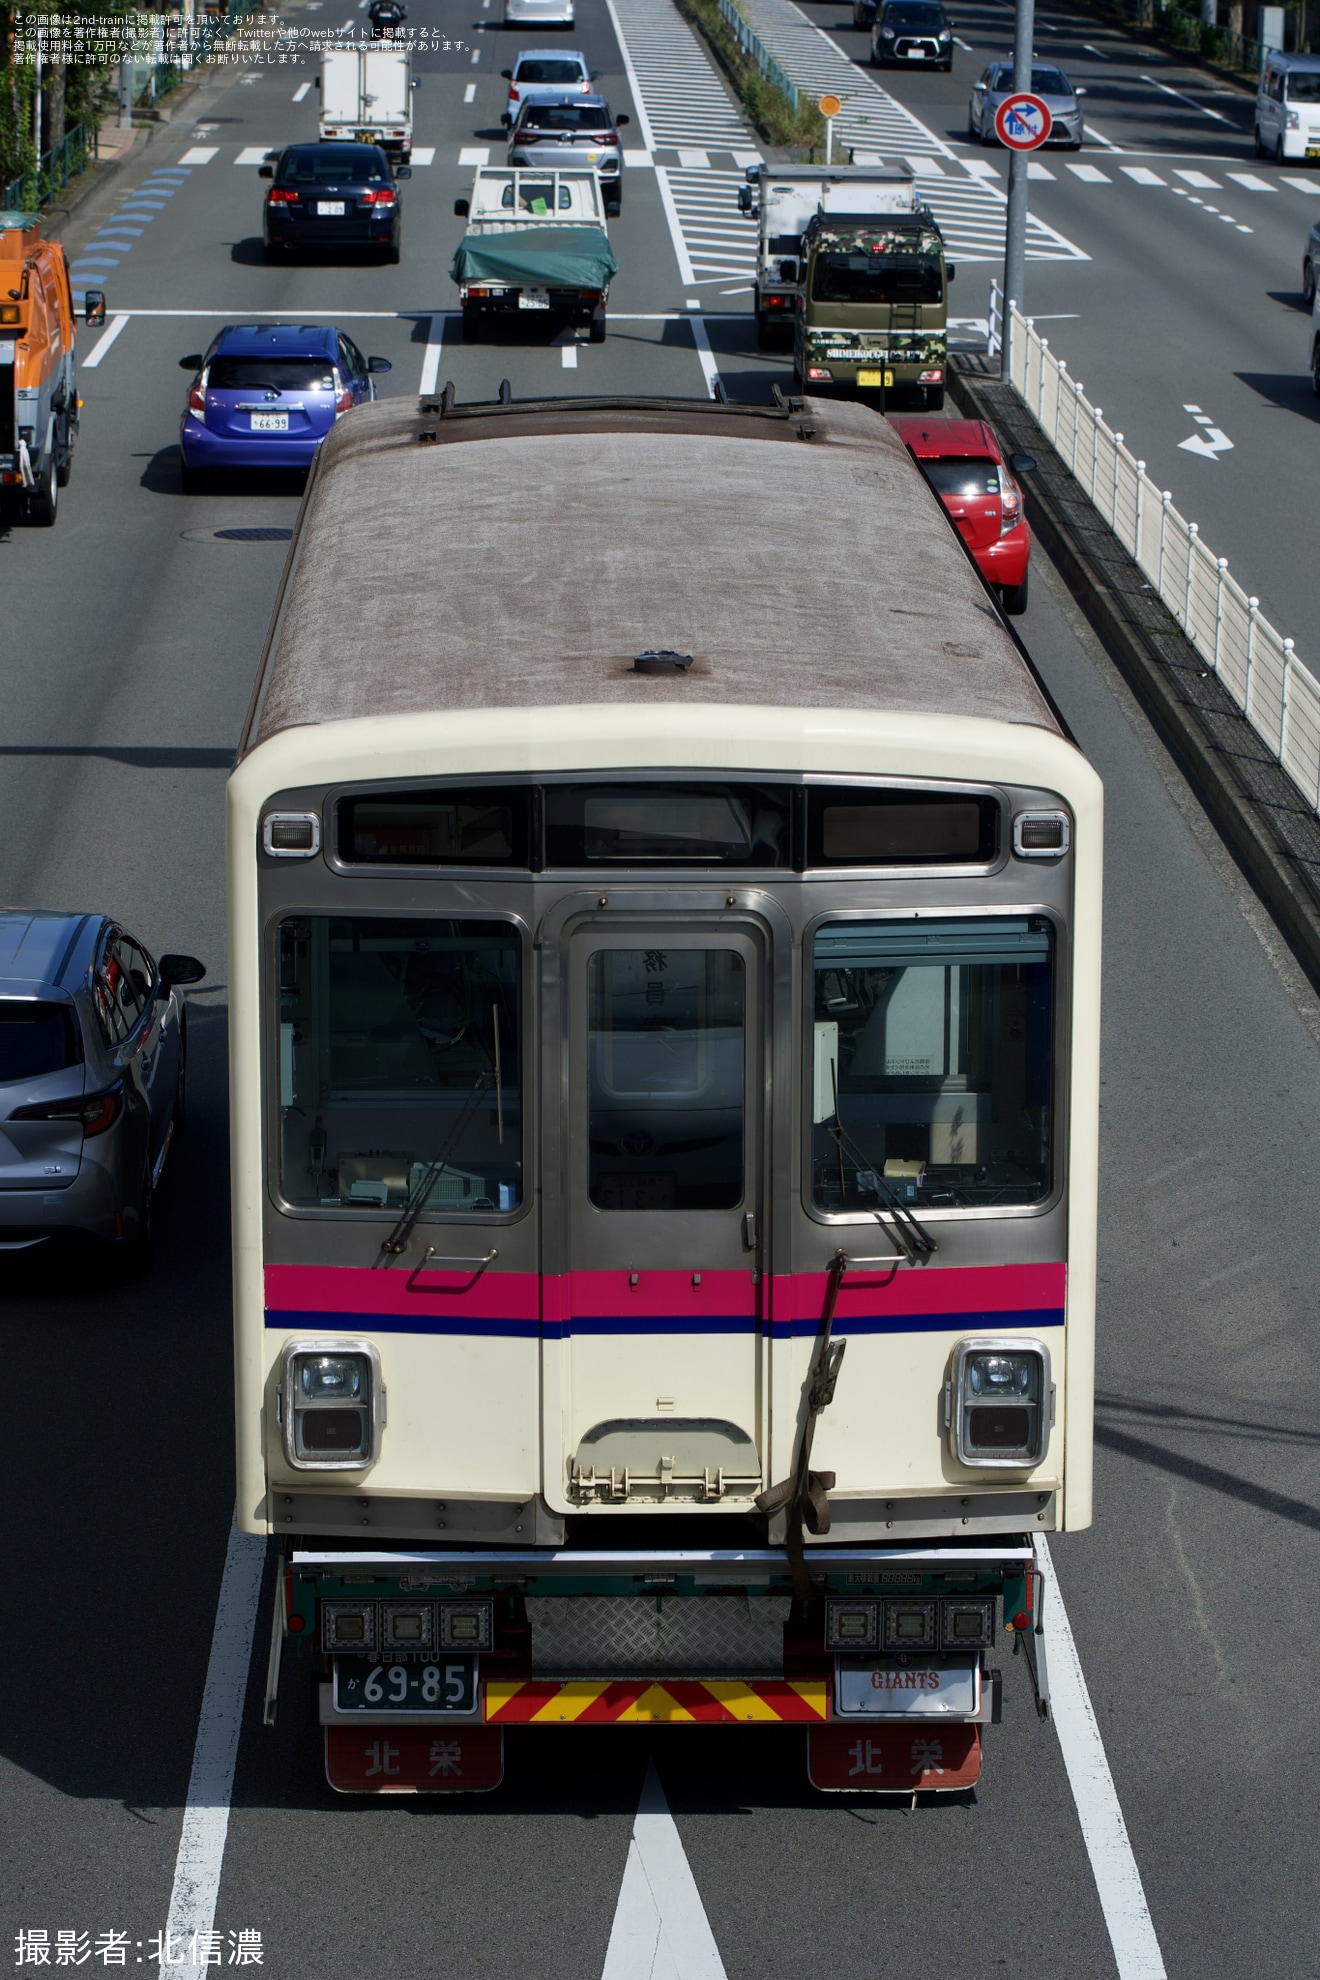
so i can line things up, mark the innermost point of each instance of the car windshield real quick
(877, 278)
(547, 72)
(333, 165)
(968, 477)
(1304, 88)
(914, 15)
(400, 1052)
(566, 117)
(35, 1039)
(1044, 82)
(932, 1056)
(270, 374)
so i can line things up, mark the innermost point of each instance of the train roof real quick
(523, 554)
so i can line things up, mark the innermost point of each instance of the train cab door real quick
(662, 1169)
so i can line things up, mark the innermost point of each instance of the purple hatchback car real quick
(266, 394)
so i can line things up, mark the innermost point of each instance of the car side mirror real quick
(193, 363)
(623, 119)
(596, 74)
(950, 270)
(265, 171)
(744, 199)
(506, 120)
(462, 208)
(788, 271)
(507, 74)
(379, 364)
(1081, 92)
(403, 172)
(94, 302)
(179, 969)
(416, 82)
(1022, 463)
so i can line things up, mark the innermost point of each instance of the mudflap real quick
(414, 1759)
(894, 1759)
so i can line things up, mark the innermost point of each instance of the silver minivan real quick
(1288, 108)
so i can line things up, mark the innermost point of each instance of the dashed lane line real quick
(103, 342)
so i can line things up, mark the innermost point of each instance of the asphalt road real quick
(1177, 306)
(129, 653)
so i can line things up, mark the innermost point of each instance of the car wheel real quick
(1260, 149)
(599, 327)
(934, 398)
(180, 1112)
(44, 500)
(947, 66)
(391, 255)
(1278, 149)
(1014, 598)
(193, 481)
(1308, 281)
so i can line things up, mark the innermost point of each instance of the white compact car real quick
(1288, 108)
(538, 13)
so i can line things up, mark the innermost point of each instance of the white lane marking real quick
(476, 55)
(104, 342)
(470, 93)
(301, 91)
(966, 46)
(1090, 175)
(1035, 170)
(349, 23)
(435, 338)
(685, 274)
(1300, 185)
(251, 154)
(660, 1929)
(1190, 101)
(1251, 182)
(201, 1854)
(1141, 175)
(637, 158)
(705, 358)
(422, 154)
(694, 161)
(1209, 441)
(201, 154)
(474, 154)
(742, 159)
(1117, 1879)
(634, 87)
(568, 355)
(1095, 51)
(1098, 137)
(925, 168)
(981, 168)
(1201, 180)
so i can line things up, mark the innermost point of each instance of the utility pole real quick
(1015, 248)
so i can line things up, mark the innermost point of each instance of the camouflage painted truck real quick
(875, 306)
(784, 199)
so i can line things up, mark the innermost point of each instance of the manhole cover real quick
(262, 535)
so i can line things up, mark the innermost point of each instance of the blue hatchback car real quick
(266, 394)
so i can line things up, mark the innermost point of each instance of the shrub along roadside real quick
(768, 109)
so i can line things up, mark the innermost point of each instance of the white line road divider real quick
(474, 154)
(104, 342)
(422, 154)
(1117, 1879)
(660, 1930)
(201, 154)
(568, 356)
(206, 1815)
(251, 154)
(301, 91)
(435, 338)
(470, 93)
(1190, 101)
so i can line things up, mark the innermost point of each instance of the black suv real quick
(904, 31)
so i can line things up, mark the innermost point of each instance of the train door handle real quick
(749, 1237)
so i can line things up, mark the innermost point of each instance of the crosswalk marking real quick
(201, 154)
(251, 154)
(474, 154)
(1141, 175)
(638, 158)
(1201, 180)
(301, 91)
(1035, 170)
(1251, 182)
(1091, 175)
(1300, 185)
(422, 154)
(981, 168)
(697, 161)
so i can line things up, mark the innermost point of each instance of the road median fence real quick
(1278, 695)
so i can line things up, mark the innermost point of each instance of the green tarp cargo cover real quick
(541, 257)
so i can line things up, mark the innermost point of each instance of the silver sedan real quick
(1050, 84)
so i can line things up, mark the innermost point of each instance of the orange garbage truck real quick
(38, 369)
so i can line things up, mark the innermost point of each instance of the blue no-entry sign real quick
(1022, 121)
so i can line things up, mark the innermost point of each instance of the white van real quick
(1288, 108)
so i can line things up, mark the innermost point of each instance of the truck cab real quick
(38, 369)
(874, 306)
(783, 199)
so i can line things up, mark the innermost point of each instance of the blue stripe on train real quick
(497, 1327)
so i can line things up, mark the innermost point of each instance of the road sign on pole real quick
(829, 107)
(1022, 121)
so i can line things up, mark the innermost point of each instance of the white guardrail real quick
(1278, 695)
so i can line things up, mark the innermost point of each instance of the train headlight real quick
(331, 1405)
(1000, 1403)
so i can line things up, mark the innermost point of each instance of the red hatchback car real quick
(964, 464)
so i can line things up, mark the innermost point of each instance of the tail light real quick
(197, 397)
(513, 93)
(384, 197)
(97, 1111)
(281, 196)
(343, 397)
(589, 295)
(1010, 514)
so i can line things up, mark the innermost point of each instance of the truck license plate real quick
(270, 422)
(885, 378)
(916, 1688)
(447, 1686)
(330, 209)
(1313, 150)
(533, 299)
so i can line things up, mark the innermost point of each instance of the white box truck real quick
(366, 96)
(784, 199)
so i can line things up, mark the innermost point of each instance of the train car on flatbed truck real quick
(665, 1089)
(39, 403)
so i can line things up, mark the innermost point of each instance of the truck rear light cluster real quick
(368, 1628)
(951, 1622)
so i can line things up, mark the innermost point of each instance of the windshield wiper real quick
(397, 1241)
(907, 1231)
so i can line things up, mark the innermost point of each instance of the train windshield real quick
(400, 1064)
(932, 1063)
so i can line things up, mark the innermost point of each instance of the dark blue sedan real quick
(329, 196)
(266, 394)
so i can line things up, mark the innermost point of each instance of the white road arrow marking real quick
(1208, 443)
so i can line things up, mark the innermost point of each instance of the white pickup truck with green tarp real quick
(536, 242)
(874, 306)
